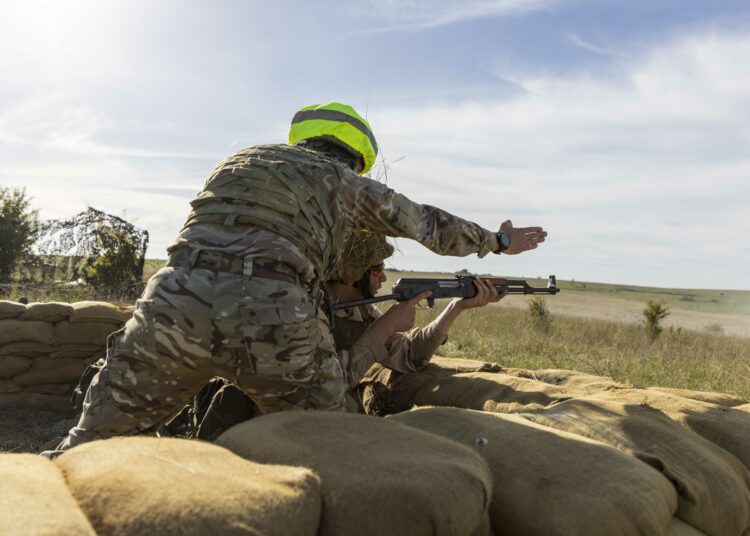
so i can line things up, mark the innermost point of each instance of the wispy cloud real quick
(49, 122)
(411, 15)
(645, 168)
(597, 49)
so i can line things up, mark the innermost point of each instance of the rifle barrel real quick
(355, 303)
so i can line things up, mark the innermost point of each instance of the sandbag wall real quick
(44, 347)
(699, 442)
(548, 452)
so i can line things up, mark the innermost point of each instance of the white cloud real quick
(405, 15)
(597, 49)
(641, 175)
(648, 168)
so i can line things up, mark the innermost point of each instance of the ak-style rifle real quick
(460, 287)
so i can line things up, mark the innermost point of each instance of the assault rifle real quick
(460, 287)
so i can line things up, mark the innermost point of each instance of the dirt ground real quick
(618, 310)
(32, 423)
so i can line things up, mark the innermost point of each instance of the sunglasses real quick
(377, 269)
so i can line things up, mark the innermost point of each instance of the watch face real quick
(504, 240)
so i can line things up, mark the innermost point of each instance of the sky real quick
(620, 126)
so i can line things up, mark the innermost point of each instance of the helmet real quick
(361, 250)
(340, 122)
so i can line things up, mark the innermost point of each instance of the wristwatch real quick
(503, 241)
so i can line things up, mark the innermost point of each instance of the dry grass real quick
(593, 327)
(55, 283)
(623, 351)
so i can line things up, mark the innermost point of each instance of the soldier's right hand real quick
(399, 317)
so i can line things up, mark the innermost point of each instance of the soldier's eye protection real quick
(377, 269)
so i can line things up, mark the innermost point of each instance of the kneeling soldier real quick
(240, 295)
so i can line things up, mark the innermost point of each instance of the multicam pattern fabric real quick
(193, 324)
(292, 207)
(308, 204)
(403, 352)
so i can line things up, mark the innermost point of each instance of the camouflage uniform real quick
(221, 404)
(241, 293)
(402, 352)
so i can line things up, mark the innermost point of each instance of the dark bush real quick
(18, 228)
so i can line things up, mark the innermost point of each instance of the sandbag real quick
(388, 392)
(378, 477)
(551, 482)
(95, 311)
(67, 332)
(680, 528)
(163, 486)
(11, 365)
(47, 311)
(48, 370)
(723, 426)
(23, 331)
(35, 500)
(572, 380)
(57, 389)
(79, 351)
(11, 309)
(26, 349)
(8, 387)
(720, 399)
(488, 391)
(465, 365)
(711, 484)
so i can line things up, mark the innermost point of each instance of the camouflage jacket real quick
(358, 351)
(297, 206)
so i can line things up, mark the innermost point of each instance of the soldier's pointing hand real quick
(522, 238)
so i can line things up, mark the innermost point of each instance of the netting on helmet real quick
(360, 251)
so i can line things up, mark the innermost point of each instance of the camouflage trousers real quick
(254, 324)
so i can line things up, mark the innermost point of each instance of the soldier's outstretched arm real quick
(376, 207)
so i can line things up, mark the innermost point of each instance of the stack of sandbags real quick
(552, 482)
(138, 485)
(712, 485)
(44, 347)
(377, 476)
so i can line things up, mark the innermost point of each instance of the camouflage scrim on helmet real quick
(361, 250)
